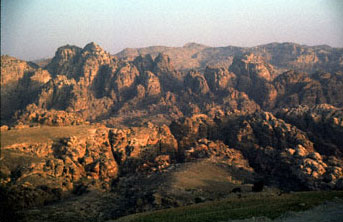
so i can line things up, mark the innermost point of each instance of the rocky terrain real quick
(284, 56)
(166, 127)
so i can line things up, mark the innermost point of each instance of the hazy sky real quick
(32, 29)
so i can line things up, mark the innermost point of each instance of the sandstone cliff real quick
(281, 55)
(250, 118)
(91, 85)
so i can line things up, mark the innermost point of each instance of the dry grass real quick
(208, 176)
(254, 205)
(42, 134)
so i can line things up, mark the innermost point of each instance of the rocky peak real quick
(193, 45)
(219, 78)
(171, 80)
(92, 47)
(253, 77)
(196, 82)
(251, 58)
(252, 66)
(64, 58)
(78, 63)
(66, 53)
(125, 77)
(144, 63)
(162, 63)
(151, 83)
(13, 69)
(18, 84)
(93, 57)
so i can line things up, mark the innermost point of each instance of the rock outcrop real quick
(253, 67)
(151, 83)
(12, 69)
(77, 63)
(77, 164)
(279, 151)
(273, 146)
(197, 83)
(254, 78)
(323, 123)
(20, 81)
(92, 85)
(243, 114)
(294, 88)
(281, 55)
(219, 78)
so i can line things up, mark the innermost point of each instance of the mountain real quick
(164, 128)
(20, 83)
(92, 85)
(42, 62)
(182, 57)
(281, 55)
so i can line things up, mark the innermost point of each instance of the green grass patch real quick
(249, 205)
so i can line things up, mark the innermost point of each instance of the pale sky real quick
(33, 29)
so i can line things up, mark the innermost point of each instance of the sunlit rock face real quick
(151, 83)
(77, 63)
(261, 113)
(272, 146)
(219, 78)
(197, 83)
(20, 82)
(254, 77)
(252, 66)
(92, 160)
(64, 61)
(91, 84)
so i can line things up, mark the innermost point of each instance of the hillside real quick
(91, 85)
(108, 136)
(281, 55)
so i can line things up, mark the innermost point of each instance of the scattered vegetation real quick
(246, 206)
(41, 134)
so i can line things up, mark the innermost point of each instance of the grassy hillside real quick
(247, 206)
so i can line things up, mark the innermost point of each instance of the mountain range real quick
(93, 85)
(284, 56)
(133, 125)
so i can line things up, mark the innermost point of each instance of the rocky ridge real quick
(281, 55)
(150, 123)
(258, 145)
(281, 152)
(92, 85)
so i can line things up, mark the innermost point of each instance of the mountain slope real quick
(151, 136)
(88, 84)
(281, 55)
